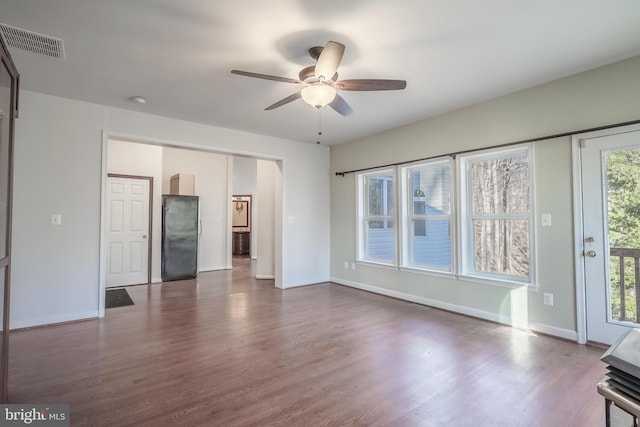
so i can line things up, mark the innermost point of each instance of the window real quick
(491, 197)
(427, 223)
(377, 232)
(496, 215)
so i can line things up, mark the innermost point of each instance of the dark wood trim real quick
(508, 144)
(5, 263)
(150, 231)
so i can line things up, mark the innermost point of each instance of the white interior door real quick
(127, 231)
(611, 222)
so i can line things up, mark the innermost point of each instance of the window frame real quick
(364, 217)
(466, 217)
(408, 216)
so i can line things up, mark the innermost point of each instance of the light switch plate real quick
(546, 220)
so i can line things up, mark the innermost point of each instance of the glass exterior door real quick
(611, 216)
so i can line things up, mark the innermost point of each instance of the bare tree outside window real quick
(499, 214)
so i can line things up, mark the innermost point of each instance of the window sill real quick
(377, 264)
(427, 272)
(511, 284)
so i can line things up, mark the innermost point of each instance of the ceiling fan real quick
(321, 81)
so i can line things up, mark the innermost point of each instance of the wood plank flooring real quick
(228, 350)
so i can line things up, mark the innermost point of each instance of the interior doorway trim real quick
(279, 197)
(150, 229)
(578, 223)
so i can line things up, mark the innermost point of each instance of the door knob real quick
(590, 254)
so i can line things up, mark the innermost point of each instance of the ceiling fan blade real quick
(340, 105)
(329, 60)
(265, 76)
(371, 84)
(286, 100)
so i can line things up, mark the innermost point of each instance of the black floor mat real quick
(117, 298)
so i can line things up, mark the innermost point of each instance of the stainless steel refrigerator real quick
(179, 237)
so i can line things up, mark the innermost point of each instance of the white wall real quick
(211, 177)
(265, 196)
(142, 160)
(595, 98)
(58, 169)
(244, 183)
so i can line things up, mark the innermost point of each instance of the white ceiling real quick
(178, 54)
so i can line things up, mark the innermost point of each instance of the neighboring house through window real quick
(427, 215)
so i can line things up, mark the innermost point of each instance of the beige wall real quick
(595, 98)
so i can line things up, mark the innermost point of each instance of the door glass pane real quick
(623, 212)
(5, 129)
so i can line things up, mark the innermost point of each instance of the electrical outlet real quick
(547, 299)
(346, 265)
(353, 265)
(56, 219)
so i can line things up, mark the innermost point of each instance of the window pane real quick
(390, 200)
(376, 196)
(380, 198)
(430, 192)
(501, 185)
(501, 246)
(380, 240)
(432, 242)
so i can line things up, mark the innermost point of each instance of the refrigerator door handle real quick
(199, 227)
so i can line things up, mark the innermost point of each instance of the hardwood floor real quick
(229, 350)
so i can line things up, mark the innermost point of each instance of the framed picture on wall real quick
(241, 213)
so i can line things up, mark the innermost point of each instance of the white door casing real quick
(593, 241)
(127, 231)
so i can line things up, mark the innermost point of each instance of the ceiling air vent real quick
(32, 42)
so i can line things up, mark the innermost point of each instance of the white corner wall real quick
(266, 225)
(58, 169)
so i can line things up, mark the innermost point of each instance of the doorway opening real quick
(156, 155)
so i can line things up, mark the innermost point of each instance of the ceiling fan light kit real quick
(320, 90)
(318, 94)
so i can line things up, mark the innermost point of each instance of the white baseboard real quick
(461, 309)
(216, 268)
(299, 285)
(42, 321)
(265, 276)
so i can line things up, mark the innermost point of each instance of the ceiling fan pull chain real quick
(319, 125)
